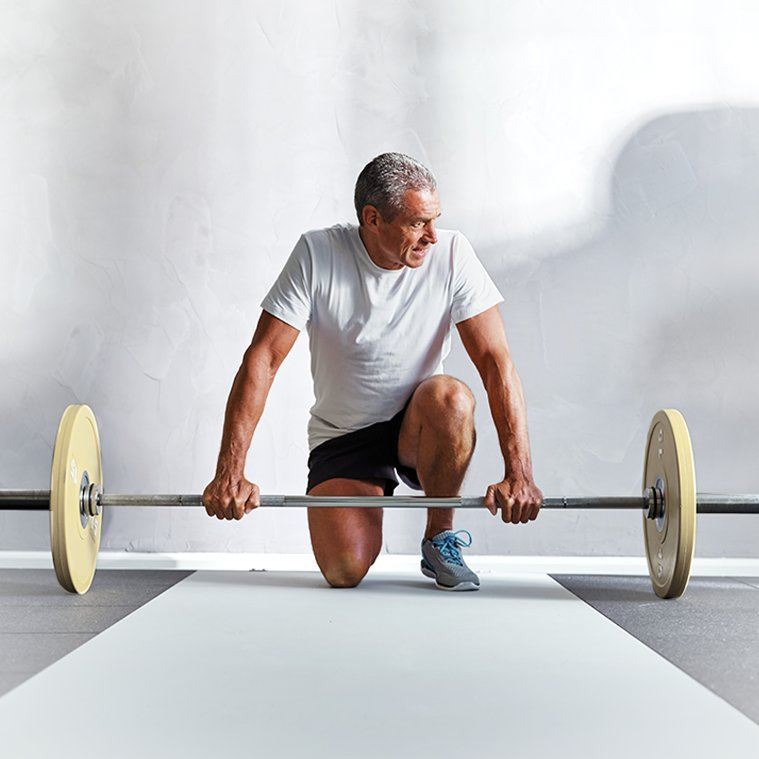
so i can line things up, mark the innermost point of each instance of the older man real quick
(378, 300)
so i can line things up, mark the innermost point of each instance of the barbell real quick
(669, 501)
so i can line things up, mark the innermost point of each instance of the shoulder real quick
(453, 245)
(327, 251)
(451, 239)
(329, 238)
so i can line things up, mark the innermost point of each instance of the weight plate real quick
(670, 540)
(74, 535)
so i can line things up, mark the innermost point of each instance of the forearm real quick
(504, 390)
(244, 409)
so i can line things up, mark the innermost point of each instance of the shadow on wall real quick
(657, 309)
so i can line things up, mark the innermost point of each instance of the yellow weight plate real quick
(670, 540)
(74, 535)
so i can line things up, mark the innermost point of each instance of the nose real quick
(429, 233)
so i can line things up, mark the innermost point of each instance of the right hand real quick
(230, 496)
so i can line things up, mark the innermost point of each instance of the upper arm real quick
(473, 289)
(484, 337)
(290, 297)
(274, 337)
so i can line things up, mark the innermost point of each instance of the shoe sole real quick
(461, 586)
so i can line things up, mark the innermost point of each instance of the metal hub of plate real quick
(90, 500)
(655, 499)
(74, 531)
(670, 537)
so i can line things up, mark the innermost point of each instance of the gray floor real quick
(711, 632)
(40, 623)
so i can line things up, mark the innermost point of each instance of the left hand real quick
(518, 498)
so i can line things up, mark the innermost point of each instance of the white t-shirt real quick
(374, 333)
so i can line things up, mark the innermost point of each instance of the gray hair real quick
(383, 182)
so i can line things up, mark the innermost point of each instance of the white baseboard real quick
(301, 562)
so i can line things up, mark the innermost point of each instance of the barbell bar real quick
(39, 500)
(669, 502)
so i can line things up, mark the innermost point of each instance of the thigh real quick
(354, 532)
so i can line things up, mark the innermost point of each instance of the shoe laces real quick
(450, 544)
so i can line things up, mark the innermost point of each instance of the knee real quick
(451, 401)
(345, 571)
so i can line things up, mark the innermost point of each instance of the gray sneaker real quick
(441, 560)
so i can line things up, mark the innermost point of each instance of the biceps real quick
(273, 337)
(484, 337)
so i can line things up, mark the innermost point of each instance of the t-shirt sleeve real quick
(473, 289)
(290, 296)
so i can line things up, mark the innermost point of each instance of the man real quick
(378, 300)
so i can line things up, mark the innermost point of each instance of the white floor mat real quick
(277, 664)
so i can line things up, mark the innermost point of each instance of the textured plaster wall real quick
(159, 160)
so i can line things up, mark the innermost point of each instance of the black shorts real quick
(363, 454)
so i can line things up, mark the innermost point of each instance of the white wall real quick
(159, 160)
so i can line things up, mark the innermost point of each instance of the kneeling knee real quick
(346, 573)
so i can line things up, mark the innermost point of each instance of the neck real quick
(374, 252)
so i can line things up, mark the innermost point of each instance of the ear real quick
(371, 217)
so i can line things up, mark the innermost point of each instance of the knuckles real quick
(221, 507)
(519, 511)
(225, 499)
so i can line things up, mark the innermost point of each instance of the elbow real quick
(498, 369)
(260, 361)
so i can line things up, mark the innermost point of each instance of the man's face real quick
(406, 239)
